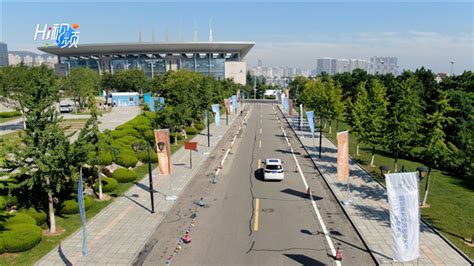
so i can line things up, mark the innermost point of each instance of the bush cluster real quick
(20, 237)
(10, 114)
(143, 156)
(191, 131)
(17, 218)
(108, 184)
(39, 216)
(199, 126)
(126, 158)
(123, 175)
(71, 206)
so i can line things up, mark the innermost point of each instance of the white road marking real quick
(315, 207)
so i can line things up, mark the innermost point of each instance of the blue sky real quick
(429, 34)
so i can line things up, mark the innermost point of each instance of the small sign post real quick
(191, 146)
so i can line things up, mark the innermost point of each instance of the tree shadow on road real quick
(299, 194)
(303, 259)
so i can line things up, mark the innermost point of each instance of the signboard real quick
(402, 193)
(190, 145)
(343, 155)
(162, 139)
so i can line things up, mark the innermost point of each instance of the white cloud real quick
(413, 49)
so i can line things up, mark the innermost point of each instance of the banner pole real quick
(208, 131)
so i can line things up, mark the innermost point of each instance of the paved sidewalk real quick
(119, 232)
(369, 210)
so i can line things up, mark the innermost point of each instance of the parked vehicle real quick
(65, 108)
(273, 170)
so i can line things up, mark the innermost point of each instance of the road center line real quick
(257, 207)
(260, 130)
(259, 163)
(315, 207)
(260, 144)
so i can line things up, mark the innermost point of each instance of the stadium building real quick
(219, 59)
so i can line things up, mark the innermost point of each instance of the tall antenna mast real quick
(195, 31)
(181, 30)
(167, 34)
(140, 34)
(210, 30)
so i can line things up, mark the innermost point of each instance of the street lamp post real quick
(138, 147)
(384, 169)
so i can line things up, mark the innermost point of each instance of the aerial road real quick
(249, 221)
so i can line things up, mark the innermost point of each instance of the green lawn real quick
(451, 198)
(8, 144)
(6, 119)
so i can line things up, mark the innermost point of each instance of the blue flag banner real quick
(80, 201)
(286, 106)
(217, 114)
(234, 103)
(310, 117)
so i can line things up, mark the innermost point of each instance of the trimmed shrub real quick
(143, 156)
(10, 114)
(72, 206)
(21, 237)
(18, 218)
(199, 126)
(173, 134)
(105, 158)
(108, 184)
(149, 135)
(191, 131)
(117, 134)
(123, 175)
(129, 131)
(143, 128)
(39, 216)
(126, 159)
(126, 141)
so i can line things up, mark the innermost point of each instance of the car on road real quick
(273, 170)
(65, 108)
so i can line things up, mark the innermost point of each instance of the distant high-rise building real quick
(383, 65)
(323, 65)
(3, 54)
(259, 64)
(358, 64)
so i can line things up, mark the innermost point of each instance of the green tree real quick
(436, 150)
(356, 116)
(336, 106)
(130, 80)
(44, 161)
(297, 87)
(82, 82)
(403, 119)
(375, 118)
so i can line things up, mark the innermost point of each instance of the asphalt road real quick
(248, 221)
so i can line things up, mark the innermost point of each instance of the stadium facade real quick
(219, 59)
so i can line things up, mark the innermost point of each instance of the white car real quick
(65, 108)
(273, 170)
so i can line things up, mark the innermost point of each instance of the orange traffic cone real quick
(186, 239)
(338, 254)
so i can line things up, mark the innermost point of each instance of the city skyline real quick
(286, 34)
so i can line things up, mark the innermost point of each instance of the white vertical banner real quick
(402, 193)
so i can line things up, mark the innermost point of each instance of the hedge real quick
(21, 237)
(10, 114)
(117, 134)
(126, 159)
(191, 131)
(71, 206)
(39, 216)
(123, 175)
(173, 134)
(108, 184)
(143, 156)
(199, 126)
(129, 131)
(105, 158)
